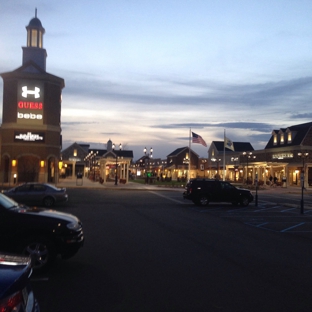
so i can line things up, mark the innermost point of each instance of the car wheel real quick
(41, 252)
(48, 201)
(244, 201)
(202, 201)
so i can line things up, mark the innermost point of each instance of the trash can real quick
(284, 182)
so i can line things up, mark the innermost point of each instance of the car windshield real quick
(53, 187)
(7, 202)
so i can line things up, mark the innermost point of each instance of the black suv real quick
(39, 233)
(203, 191)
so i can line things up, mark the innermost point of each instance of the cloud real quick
(200, 93)
(254, 126)
(303, 116)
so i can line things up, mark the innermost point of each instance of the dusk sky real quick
(143, 72)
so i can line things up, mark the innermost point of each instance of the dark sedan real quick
(41, 194)
(15, 290)
(39, 233)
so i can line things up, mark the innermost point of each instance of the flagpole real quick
(189, 164)
(224, 157)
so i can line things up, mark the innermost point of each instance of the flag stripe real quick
(198, 139)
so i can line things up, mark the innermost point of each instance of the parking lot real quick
(153, 251)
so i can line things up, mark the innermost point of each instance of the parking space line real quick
(274, 207)
(259, 225)
(288, 209)
(292, 227)
(167, 197)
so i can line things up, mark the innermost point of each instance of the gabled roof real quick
(180, 150)
(298, 133)
(142, 159)
(76, 145)
(119, 153)
(238, 146)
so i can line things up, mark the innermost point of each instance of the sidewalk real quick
(86, 183)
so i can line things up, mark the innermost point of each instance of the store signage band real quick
(282, 155)
(28, 137)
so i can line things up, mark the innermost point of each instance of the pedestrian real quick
(275, 180)
(271, 178)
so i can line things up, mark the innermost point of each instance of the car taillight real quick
(12, 303)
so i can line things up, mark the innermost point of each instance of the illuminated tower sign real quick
(30, 96)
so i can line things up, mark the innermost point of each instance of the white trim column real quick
(126, 169)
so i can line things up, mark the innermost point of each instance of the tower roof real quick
(35, 22)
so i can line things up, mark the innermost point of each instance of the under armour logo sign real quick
(35, 92)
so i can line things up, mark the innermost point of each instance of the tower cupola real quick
(34, 50)
(35, 33)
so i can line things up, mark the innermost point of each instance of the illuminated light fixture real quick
(60, 164)
(13, 162)
(41, 163)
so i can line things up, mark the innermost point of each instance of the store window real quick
(34, 37)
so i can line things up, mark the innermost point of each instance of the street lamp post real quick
(303, 156)
(204, 165)
(149, 155)
(186, 162)
(256, 197)
(120, 146)
(217, 160)
(234, 159)
(248, 155)
(91, 157)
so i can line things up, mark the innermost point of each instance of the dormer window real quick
(75, 152)
(282, 138)
(275, 139)
(289, 138)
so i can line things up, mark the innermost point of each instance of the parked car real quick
(39, 233)
(41, 194)
(15, 290)
(203, 191)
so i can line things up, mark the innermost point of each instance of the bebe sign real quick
(29, 116)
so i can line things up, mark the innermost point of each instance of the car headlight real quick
(73, 226)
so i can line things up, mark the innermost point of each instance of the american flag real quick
(198, 139)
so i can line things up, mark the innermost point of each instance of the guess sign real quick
(29, 105)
